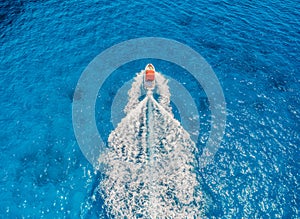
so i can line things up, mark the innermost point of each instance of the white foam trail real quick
(163, 91)
(134, 93)
(150, 165)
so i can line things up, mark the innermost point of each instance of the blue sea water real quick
(253, 47)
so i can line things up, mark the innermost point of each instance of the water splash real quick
(150, 164)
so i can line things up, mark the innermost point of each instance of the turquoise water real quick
(253, 48)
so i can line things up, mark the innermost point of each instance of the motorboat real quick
(149, 77)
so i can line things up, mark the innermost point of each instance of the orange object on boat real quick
(150, 75)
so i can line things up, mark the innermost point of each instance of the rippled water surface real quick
(253, 47)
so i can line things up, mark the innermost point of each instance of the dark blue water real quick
(253, 47)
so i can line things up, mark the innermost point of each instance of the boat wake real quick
(150, 164)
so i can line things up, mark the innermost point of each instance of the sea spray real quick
(150, 163)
